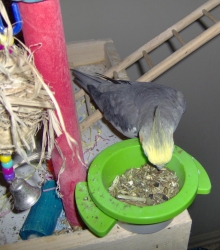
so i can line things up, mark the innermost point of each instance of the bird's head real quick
(157, 142)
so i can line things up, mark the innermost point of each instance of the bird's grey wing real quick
(179, 108)
(118, 108)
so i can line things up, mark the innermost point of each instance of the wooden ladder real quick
(143, 52)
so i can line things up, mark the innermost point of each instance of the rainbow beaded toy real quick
(7, 167)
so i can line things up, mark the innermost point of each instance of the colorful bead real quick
(5, 158)
(7, 170)
(7, 167)
(4, 40)
(7, 164)
(9, 177)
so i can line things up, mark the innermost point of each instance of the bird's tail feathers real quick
(115, 81)
(84, 79)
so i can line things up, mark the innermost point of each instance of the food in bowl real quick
(145, 186)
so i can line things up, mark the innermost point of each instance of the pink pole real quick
(42, 23)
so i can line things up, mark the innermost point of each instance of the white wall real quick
(133, 23)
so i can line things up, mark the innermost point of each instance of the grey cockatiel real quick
(148, 110)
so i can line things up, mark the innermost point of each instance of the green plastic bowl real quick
(127, 154)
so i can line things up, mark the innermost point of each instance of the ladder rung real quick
(88, 104)
(79, 94)
(115, 75)
(211, 17)
(147, 58)
(88, 121)
(179, 38)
